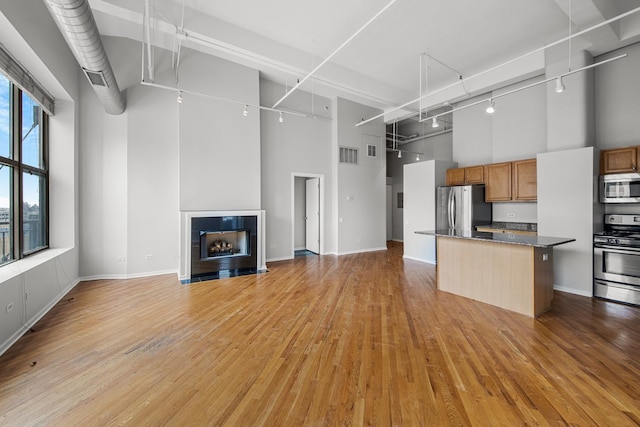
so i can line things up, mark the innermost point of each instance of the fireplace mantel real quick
(185, 237)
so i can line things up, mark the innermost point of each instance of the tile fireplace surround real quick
(209, 219)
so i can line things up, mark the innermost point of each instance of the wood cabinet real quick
(462, 176)
(504, 182)
(619, 160)
(455, 176)
(498, 182)
(525, 180)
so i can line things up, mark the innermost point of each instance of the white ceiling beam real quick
(202, 38)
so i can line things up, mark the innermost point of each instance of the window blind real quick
(11, 68)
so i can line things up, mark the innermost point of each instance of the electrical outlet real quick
(273, 246)
(148, 257)
(9, 307)
(121, 259)
(511, 215)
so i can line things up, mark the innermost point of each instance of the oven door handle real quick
(617, 249)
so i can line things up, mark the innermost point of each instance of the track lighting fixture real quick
(491, 108)
(417, 157)
(281, 119)
(434, 123)
(245, 112)
(559, 85)
(179, 99)
(399, 154)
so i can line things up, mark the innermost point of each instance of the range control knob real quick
(614, 241)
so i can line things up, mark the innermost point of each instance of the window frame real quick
(18, 168)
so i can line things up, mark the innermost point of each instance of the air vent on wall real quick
(96, 78)
(349, 155)
(371, 150)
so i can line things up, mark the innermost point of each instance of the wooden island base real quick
(515, 277)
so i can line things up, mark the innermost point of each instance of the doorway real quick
(308, 214)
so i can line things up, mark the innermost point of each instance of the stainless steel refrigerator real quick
(462, 207)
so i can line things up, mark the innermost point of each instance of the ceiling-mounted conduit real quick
(540, 49)
(328, 58)
(76, 23)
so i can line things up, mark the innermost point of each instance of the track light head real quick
(559, 85)
(417, 157)
(245, 112)
(491, 108)
(434, 123)
(281, 119)
(399, 154)
(179, 98)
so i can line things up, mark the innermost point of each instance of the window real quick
(23, 173)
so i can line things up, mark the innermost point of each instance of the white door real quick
(313, 215)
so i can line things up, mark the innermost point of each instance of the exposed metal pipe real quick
(78, 27)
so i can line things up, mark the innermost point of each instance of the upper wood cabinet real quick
(455, 176)
(462, 176)
(474, 175)
(619, 160)
(498, 182)
(525, 180)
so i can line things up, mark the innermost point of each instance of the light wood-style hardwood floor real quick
(361, 339)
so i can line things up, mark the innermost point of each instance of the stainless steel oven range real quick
(616, 259)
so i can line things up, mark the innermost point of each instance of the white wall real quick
(472, 134)
(219, 147)
(519, 124)
(141, 168)
(570, 114)
(617, 93)
(566, 198)
(299, 145)
(421, 181)
(36, 283)
(438, 146)
(361, 188)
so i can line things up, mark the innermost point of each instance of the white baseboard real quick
(573, 291)
(397, 240)
(127, 276)
(384, 248)
(282, 258)
(426, 261)
(29, 324)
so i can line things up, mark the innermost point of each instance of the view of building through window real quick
(23, 175)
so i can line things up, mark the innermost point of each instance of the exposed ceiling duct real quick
(76, 23)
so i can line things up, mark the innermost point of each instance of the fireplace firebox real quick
(223, 246)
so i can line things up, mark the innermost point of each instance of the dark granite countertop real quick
(513, 239)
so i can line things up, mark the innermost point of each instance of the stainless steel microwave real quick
(620, 188)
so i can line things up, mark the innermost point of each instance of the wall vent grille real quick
(349, 155)
(371, 150)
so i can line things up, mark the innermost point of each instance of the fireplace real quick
(218, 244)
(221, 244)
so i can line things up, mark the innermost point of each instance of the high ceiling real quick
(286, 39)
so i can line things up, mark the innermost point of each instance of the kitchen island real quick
(511, 271)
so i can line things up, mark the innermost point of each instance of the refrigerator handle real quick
(452, 209)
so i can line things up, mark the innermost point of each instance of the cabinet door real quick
(619, 160)
(525, 180)
(498, 182)
(474, 175)
(455, 176)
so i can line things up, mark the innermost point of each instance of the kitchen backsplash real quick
(515, 212)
